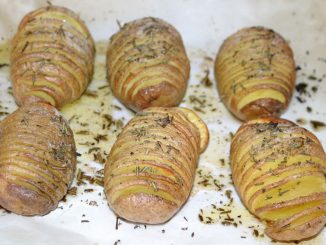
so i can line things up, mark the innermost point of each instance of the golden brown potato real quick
(255, 73)
(37, 159)
(151, 167)
(278, 169)
(147, 64)
(52, 57)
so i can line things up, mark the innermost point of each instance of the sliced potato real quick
(255, 73)
(147, 64)
(52, 57)
(37, 159)
(278, 169)
(151, 167)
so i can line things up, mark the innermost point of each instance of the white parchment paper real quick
(86, 218)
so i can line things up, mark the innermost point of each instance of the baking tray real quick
(84, 217)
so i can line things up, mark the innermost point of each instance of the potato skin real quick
(147, 64)
(37, 159)
(151, 167)
(278, 169)
(255, 73)
(52, 57)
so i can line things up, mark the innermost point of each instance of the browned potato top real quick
(278, 169)
(147, 64)
(255, 73)
(151, 167)
(37, 159)
(52, 57)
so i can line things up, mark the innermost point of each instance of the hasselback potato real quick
(278, 169)
(255, 73)
(37, 159)
(52, 57)
(147, 64)
(151, 167)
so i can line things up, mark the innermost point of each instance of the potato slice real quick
(202, 127)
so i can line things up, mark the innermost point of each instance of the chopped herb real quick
(300, 99)
(72, 191)
(64, 129)
(195, 99)
(117, 107)
(198, 109)
(25, 46)
(158, 146)
(301, 88)
(4, 113)
(298, 68)
(100, 137)
(82, 132)
(263, 66)
(228, 193)
(281, 193)
(117, 223)
(59, 152)
(24, 121)
(205, 80)
(153, 185)
(296, 143)
(301, 121)
(3, 65)
(119, 24)
(200, 217)
(139, 133)
(99, 158)
(163, 122)
(145, 170)
(317, 124)
(90, 93)
(314, 89)
(312, 77)
(108, 118)
(93, 149)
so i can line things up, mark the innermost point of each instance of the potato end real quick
(299, 233)
(144, 208)
(162, 94)
(22, 201)
(261, 108)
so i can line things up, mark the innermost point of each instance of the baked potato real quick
(147, 64)
(151, 167)
(278, 169)
(255, 73)
(52, 57)
(37, 159)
